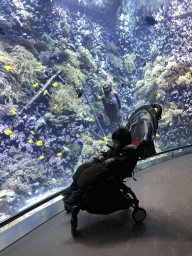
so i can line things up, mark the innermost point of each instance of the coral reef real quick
(106, 76)
(65, 98)
(10, 88)
(117, 62)
(154, 51)
(174, 75)
(86, 60)
(129, 62)
(111, 46)
(21, 168)
(73, 75)
(91, 146)
(27, 69)
(73, 58)
(99, 109)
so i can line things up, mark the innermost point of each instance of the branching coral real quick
(129, 62)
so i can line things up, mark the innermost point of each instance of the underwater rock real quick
(4, 205)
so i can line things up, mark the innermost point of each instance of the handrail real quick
(30, 208)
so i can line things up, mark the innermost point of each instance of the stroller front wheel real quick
(139, 215)
(68, 208)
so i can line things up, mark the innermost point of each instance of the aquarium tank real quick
(58, 58)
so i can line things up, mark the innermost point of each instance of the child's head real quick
(121, 137)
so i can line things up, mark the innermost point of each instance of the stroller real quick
(112, 194)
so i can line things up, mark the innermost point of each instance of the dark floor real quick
(164, 191)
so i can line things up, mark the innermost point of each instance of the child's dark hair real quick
(122, 135)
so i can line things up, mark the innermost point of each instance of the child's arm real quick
(98, 155)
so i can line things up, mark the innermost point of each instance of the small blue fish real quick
(80, 143)
(111, 39)
(145, 24)
(52, 58)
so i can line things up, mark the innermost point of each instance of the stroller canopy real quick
(143, 124)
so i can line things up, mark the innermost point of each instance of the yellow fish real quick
(48, 113)
(162, 99)
(39, 143)
(86, 141)
(171, 102)
(41, 157)
(99, 97)
(59, 154)
(55, 106)
(9, 68)
(32, 132)
(45, 92)
(30, 141)
(157, 135)
(74, 99)
(75, 82)
(13, 112)
(114, 84)
(105, 140)
(92, 119)
(55, 84)
(159, 95)
(35, 85)
(170, 124)
(89, 133)
(129, 116)
(103, 82)
(125, 100)
(8, 132)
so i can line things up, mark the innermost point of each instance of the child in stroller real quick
(105, 165)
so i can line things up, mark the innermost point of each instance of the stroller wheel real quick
(139, 215)
(68, 208)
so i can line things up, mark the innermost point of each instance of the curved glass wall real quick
(55, 57)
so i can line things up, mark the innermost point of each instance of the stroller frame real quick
(130, 200)
(123, 197)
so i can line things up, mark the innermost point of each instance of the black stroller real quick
(112, 194)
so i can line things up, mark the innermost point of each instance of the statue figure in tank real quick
(112, 104)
